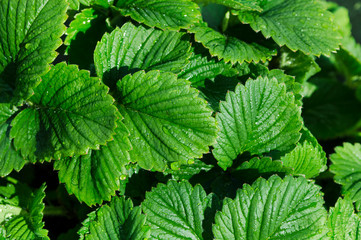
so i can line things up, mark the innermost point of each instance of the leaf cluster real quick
(187, 119)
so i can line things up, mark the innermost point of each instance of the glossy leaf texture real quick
(95, 177)
(69, 114)
(131, 48)
(23, 211)
(300, 25)
(289, 208)
(228, 48)
(163, 14)
(346, 165)
(343, 222)
(176, 210)
(30, 32)
(10, 159)
(116, 220)
(257, 117)
(168, 122)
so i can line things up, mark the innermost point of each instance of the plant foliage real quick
(187, 119)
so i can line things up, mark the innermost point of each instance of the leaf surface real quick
(343, 222)
(23, 211)
(163, 14)
(235, 4)
(131, 48)
(346, 165)
(298, 24)
(258, 117)
(176, 210)
(307, 158)
(70, 113)
(289, 208)
(167, 120)
(116, 220)
(10, 159)
(96, 176)
(30, 32)
(228, 48)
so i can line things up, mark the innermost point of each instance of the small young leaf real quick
(307, 158)
(298, 24)
(167, 120)
(70, 113)
(289, 208)
(132, 48)
(95, 177)
(346, 165)
(30, 32)
(83, 34)
(230, 49)
(163, 14)
(10, 159)
(258, 117)
(117, 220)
(24, 216)
(298, 64)
(176, 210)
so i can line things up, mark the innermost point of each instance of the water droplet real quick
(28, 46)
(175, 166)
(123, 177)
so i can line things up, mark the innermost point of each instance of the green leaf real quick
(74, 4)
(343, 222)
(258, 117)
(83, 34)
(264, 165)
(96, 176)
(298, 64)
(70, 113)
(289, 208)
(116, 220)
(176, 210)
(188, 170)
(228, 48)
(332, 110)
(235, 4)
(24, 217)
(348, 61)
(167, 120)
(201, 67)
(132, 48)
(163, 14)
(10, 159)
(307, 158)
(346, 165)
(298, 24)
(30, 32)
